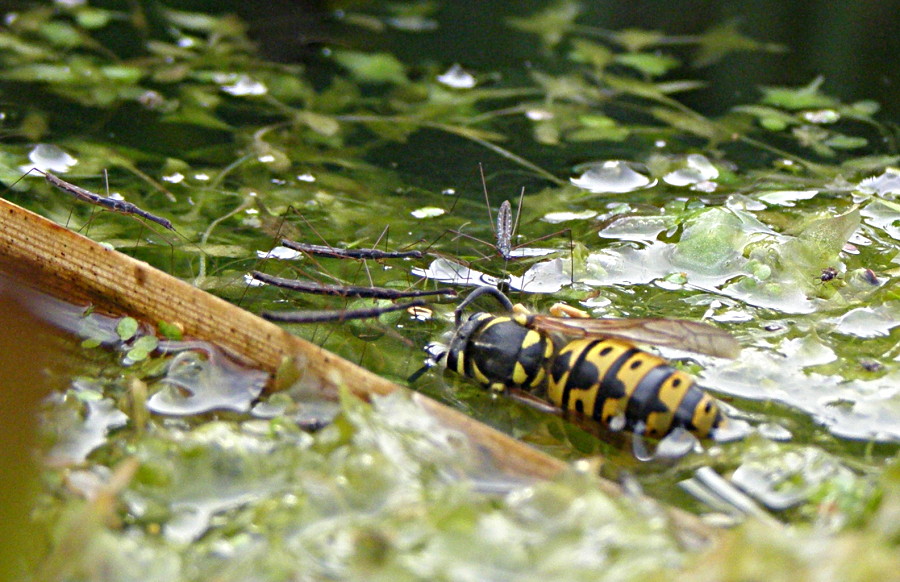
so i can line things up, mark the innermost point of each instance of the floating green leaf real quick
(551, 24)
(723, 39)
(591, 53)
(372, 67)
(635, 40)
(126, 328)
(142, 348)
(806, 97)
(169, 330)
(650, 64)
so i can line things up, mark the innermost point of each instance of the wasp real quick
(591, 367)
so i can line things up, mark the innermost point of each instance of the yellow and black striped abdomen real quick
(611, 381)
(498, 352)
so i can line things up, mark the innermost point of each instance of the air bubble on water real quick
(557, 217)
(539, 114)
(866, 322)
(50, 158)
(821, 116)
(544, 277)
(446, 271)
(886, 183)
(676, 445)
(774, 432)
(614, 177)
(412, 23)
(696, 170)
(279, 252)
(240, 85)
(457, 78)
(427, 212)
(636, 228)
(307, 177)
(807, 350)
(175, 178)
(530, 252)
(786, 197)
(250, 281)
(617, 422)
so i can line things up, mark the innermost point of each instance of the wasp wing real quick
(692, 336)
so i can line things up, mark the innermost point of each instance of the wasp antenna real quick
(503, 299)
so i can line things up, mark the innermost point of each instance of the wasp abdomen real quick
(606, 380)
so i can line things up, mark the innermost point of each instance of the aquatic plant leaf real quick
(23, 48)
(321, 124)
(818, 245)
(591, 53)
(846, 142)
(550, 24)
(93, 18)
(635, 39)
(806, 97)
(650, 64)
(169, 331)
(724, 39)
(689, 122)
(126, 328)
(61, 34)
(712, 242)
(372, 67)
(769, 117)
(41, 72)
(204, 23)
(565, 87)
(598, 133)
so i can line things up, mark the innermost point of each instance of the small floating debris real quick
(457, 78)
(821, 116)
(427, 212)
(240, 85)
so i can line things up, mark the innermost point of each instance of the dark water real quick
(854, 45)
